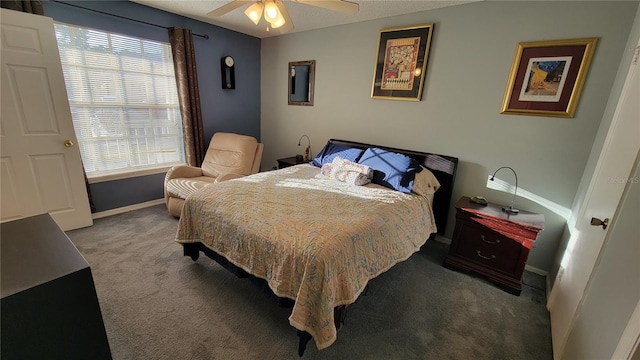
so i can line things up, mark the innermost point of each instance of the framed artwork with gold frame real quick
(547, 77)
(401, 62)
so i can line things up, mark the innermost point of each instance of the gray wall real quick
(222, 110)
(470, 59)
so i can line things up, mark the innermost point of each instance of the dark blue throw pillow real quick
(331, 151)
(390, 169)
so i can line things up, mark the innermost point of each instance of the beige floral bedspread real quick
(317, 241)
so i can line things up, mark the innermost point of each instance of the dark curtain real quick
(28, 6)
(184, 62)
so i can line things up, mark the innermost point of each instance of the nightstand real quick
(492, 243)
(286, 162)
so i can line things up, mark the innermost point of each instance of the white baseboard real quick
(548, 291)
(125, 209)
(535, 270)
(442, 239)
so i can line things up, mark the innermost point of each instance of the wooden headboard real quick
(442, 166)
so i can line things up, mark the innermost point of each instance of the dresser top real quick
(35, 251)
(524, 218)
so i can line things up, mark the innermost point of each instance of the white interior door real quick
(613, 292)
(41, 168)
(603, 196)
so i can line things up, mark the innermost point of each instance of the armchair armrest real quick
(228, 176)
(182, 171)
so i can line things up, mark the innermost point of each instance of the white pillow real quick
(425, 183)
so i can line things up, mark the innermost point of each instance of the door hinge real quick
(636, 55)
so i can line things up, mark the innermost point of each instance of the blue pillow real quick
(390, 169)
(331, 151)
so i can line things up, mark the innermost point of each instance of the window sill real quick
(130, 174)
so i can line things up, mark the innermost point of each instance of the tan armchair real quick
(228, 156)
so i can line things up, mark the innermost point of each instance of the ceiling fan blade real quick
(334, 5)
(234, 4)
(288, 25)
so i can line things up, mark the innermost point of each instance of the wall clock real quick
(227, 66)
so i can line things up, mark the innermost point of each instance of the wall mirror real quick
(301, 82)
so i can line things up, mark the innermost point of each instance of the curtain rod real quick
(122, 17)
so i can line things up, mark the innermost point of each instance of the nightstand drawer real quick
(488, 248)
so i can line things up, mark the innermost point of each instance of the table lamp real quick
(510, 209)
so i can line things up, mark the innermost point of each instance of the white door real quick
(605, 190)
(41, 169)
(613, 291)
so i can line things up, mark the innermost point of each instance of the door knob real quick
(597, 222)
(68, 143)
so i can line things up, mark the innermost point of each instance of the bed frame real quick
(442, 166)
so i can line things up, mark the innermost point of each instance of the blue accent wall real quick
(236, 110)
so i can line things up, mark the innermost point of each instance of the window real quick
(123, 98)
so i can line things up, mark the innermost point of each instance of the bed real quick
(311, 242)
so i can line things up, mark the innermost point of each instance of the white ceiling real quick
(304, 17)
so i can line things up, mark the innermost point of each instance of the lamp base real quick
(511, 211)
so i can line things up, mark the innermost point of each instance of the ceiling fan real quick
(275, 13)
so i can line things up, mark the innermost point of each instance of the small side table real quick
(492, 243)
(290, 161)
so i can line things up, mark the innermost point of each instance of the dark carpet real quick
(158, 304)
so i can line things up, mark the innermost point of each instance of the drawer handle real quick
(485, 257)
(496, 241)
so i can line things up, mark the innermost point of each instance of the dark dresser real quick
(49, 307)
(492, 243)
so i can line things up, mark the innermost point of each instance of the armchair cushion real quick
(229, 153)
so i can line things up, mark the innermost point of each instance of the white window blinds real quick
(123, 98)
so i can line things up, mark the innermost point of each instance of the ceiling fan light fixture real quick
(275, 12)
(271, 11)
(254, 12)
(278, 22)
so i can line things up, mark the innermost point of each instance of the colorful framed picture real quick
(401, 62)
(547, 77)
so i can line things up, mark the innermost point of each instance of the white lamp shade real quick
(271, 12)
(278, 22)
(254, 12)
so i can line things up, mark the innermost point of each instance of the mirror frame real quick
(312, 81)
